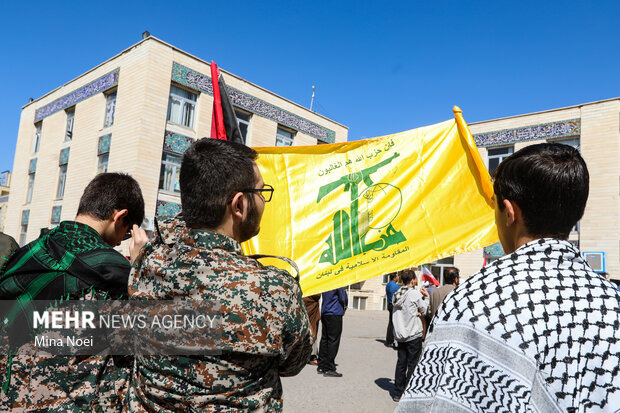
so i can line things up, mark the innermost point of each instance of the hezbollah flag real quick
(350, 211)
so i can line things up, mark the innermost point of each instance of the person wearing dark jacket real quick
(334, 305)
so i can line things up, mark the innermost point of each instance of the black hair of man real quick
(450, 274)
(212, 170)
(113, 191)
(550, 184)
(406, 275)
(393, 276)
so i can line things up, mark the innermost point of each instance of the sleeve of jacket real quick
(296, 335)
(343, 297)
(423, 304)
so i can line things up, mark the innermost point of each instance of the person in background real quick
(314, 315)
(390, 288)
(410, 307)
(332, 311)
(450, 282)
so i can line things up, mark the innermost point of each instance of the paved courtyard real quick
(367, 367)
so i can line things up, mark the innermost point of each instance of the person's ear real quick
(238, 205)
(118, 217)
(512, 212)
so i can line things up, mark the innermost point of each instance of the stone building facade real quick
(136, 113)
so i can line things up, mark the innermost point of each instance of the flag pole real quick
(487, 187)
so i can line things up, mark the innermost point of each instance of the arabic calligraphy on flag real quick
(351, 211)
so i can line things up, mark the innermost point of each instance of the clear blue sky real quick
(378, 67)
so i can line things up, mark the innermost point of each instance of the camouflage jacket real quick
(265, 328)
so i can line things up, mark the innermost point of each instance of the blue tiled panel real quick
(551, 130)
(175, 142)
(202, 83)
(56, 211)
(105, 82)
(64, 157)
(32, 168)
(25, 216)
(165, 208)
(104, 144)
(494, 251)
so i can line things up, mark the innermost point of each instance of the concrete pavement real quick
(367, 367)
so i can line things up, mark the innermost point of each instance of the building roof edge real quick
(544, 111)
(190, 55)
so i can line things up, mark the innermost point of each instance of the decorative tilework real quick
(175, 142)
(202, 83)
(56, 211)
(104, 144)
(165, 208)
(32, 168)
(494, 251)
(98, 85)
(551, 130)
(25, 216)
(64, 157)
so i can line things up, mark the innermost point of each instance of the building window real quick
(359, 303)
(386, 278)
(102, 163)
(30, 188)
(69, 130)
(244, 123)
(437, 267)
(170, 172)
(37, 137)
(110, 107)
(181, 107)
(497, 155)
(284, 137)
(62, 180)
(24, 228)
(574, 142)
(56, 212)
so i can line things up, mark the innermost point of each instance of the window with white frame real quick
(24, 227)
(181, 106)
(386, 278)
(437, 267)
(110, 107)
(170, 172)
(284, 137)
(359, 303)
(30, 188)
(244, 123)
(69, 129)
(37, 137)
(497, 155)
(62, 180)
(102, 163)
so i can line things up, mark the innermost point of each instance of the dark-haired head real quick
(110, 192)
(211, 171)
(450, 274)
(406, 275)
(549, 182)
(393, 276)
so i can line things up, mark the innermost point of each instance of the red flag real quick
(218, 131)
(428, 276)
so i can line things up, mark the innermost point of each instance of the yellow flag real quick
(350, 211)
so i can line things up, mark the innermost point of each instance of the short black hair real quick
(450, 274)
(393, 275)
(113, 191)
(211, 171)
(406, 275)
(549, 182)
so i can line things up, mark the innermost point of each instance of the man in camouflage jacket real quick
(197, 256)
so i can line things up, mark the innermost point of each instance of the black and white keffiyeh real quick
(535, 331)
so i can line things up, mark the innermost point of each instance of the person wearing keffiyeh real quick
(537, 330)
